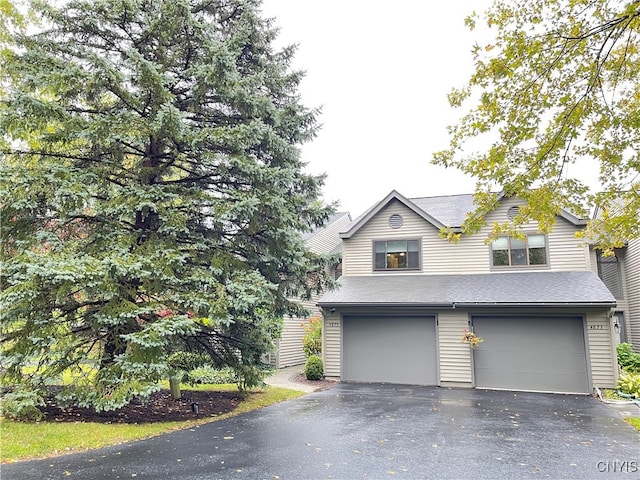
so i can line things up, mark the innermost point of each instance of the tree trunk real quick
(174, 386)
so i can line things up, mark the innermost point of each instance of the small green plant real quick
(312, 340)
(314, 368)
(629, 383)
(627, 358)
(611, 394)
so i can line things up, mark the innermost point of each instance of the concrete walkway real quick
(284, 377)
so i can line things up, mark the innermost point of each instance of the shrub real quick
(629, 383)
(210, 376)
(22, 405)
(627, 358)
(314, 368)
(187, 361)
(312, 340)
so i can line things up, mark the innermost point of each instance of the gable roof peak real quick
(393, 195)
(442, 211)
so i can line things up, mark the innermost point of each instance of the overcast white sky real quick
(381, 72)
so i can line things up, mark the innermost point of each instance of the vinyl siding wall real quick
(290, 351)
(332, 344)
(601, 350)
(469, 255)
(632, 276)
(455, 356)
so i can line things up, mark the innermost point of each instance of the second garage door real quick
(390, 350)
(544, 354)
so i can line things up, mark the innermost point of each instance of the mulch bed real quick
(160, 407)
(318, 384)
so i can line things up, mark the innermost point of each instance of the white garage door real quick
(544, 354)
(389, 350)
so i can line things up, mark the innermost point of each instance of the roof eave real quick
(467, 304)
(384, 304)
(537, 304)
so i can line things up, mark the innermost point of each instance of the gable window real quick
(513, 252)
(397, 254)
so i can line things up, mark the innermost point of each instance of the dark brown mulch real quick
(159, 408)
(318, 384)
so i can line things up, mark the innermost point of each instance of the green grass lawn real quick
(28, 440)
(635, 421)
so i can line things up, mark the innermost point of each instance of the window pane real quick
(536, 241)
(380, 247)
(517, 244)
(414, 260)
(537, 256)
(500, 258)
(519, 257)
(397, 246)
(518, 251)
(381, 261)
(413, 246)
(397, 260)
(502, 243)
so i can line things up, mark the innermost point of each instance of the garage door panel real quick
(534, 360)
(529, 353)
(390, 349)
(535, 381)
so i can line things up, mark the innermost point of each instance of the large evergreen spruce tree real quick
(153, 194)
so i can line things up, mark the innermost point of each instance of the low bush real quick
(314, 368)
(187, 361)
(210, 376)
(627, 358)
(629, 383)
(312, 340)
(22, 405)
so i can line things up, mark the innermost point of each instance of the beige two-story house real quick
(407, 296)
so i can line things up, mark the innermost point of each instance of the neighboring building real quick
(632, 280)
(621, 274)
(324, 240)
(407, 296)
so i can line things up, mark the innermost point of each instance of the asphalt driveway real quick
(378, 431)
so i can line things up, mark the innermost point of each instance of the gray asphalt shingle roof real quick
(444, 211)
(519, 288)
(449, 210)
(333, 218)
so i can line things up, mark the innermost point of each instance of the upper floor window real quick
(513, 252)
(397, 254)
